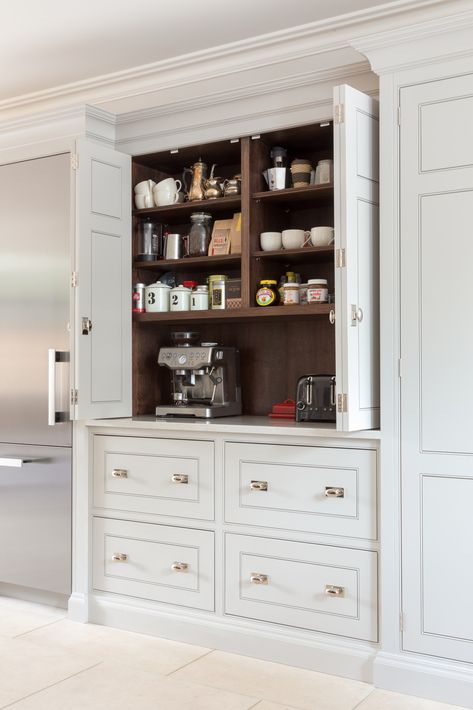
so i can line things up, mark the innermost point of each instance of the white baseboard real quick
(435, 679)
(346, 658)
(78, 608)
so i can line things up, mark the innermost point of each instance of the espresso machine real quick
(205, 378)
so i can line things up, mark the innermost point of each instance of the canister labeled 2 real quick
(180, 298)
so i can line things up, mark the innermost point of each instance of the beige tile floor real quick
(50, 663)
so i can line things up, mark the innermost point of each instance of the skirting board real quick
(349, 659)
(432, 678)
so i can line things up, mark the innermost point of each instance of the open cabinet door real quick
(356, 178)
(102, 352)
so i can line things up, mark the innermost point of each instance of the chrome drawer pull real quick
(333, 492)
(119, 557)
(256, 578)
(333, 591)
(179, 566)
(120, 473)
(180, 478)
(259, 485)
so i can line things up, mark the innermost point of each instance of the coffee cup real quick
(144, 186)
(168, 184)
(322, 236)
(270, 241)
(294, 238)
(165, 197)
(144, 200)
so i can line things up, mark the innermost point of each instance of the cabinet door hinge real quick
(74, 161)
(74, 279)
(398, 115)
(399, 367)
(340, 259)
(401, 621)
(339, 113)
(74, 396)
(342, 403)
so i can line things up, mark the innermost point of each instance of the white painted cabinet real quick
(356, 178)
(102, 352)
(437, 353)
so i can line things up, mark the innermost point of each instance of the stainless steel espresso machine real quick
(205, 378)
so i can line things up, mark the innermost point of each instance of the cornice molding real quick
(245, 55)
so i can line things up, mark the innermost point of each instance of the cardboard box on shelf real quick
(220, 240)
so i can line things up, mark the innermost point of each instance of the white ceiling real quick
(53, 42)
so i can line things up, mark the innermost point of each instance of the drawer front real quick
(158, 562)
(307, 488)
(158, 476)
(316, 587)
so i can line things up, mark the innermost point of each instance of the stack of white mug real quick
(149, 194)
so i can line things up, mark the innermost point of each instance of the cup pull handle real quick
(119, 557)
(334, 492)
(332, 590)
(180, 478)
(256, 578)
(179, 566)
(259, 485)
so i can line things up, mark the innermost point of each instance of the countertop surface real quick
(236, 425)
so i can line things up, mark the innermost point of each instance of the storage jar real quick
(291, 293)
(180, 298)
(199, 234)
(200, 299)
(157, 297)
(217, 295)
(267, 293)
(317, 291)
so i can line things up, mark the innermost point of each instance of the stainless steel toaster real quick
(315, 399)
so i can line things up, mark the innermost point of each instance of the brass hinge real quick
(339, 114)
(342, 403)
(74, 396)
(340, 259)
(401, 621)
(74, 161)
(74, 279)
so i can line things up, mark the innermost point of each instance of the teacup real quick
(165, 197)
(294, 238)
(168, 184)
(144, 200)
(144, 186)
(270, 240)
(322, 236)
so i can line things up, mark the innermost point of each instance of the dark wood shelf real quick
(191, 263)
(309, 194)
(241, 314)
(296, 255)
(182, 210)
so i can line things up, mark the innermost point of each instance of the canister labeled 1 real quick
(180, 298)
(157, 297)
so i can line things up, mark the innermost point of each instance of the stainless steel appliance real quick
(205, 378)
(315, 399)
(35, 434)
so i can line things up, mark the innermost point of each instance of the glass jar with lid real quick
(199, 234)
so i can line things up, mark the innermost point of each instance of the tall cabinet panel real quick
(437, 352)
(103, 313)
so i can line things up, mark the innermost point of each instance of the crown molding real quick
(222, 61)
(420, 44)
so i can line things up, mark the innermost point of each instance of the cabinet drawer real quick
(158, 562)
(159, 476)
(316, 587)
(307, 488)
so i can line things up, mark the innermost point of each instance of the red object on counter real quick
(283, 410)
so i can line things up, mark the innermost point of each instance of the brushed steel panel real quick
(35, 518)
(34, 295)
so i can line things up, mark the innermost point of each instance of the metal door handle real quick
(356, 314)
(331, 316)
(86, 326)
(256, 578)
(334, 492)
(55, 356)
(259, 485)
(120, 473)
(180, 478)
(119, 557)
(179, 566)
(15, 462)
(333, 591)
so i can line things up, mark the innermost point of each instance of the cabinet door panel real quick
(103, 250)
(436, 190)
(356, 169)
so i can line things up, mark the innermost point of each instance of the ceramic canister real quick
(180, 298)
(157, 297)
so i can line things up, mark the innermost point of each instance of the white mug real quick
(165, 197)
(322, 236)
(294, 238)
(144, 200)
(169, 184)
(144, 186)
(270, 241)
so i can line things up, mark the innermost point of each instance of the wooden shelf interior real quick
(277, 345)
